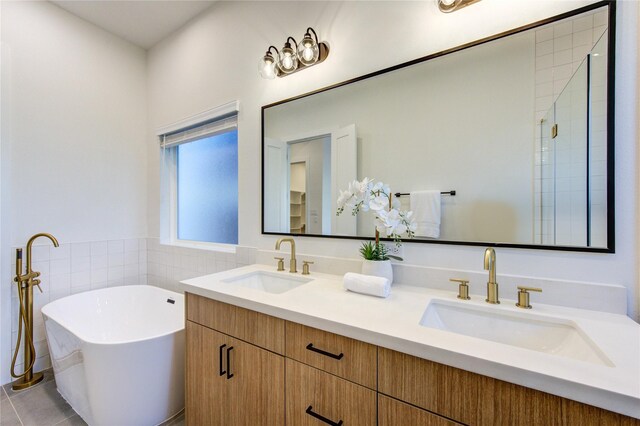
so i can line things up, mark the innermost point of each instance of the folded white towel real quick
(367, 284)
(425, 206)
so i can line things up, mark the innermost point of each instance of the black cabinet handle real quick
(229, 373)
(222, 372)
(325, 353)
(310, 412)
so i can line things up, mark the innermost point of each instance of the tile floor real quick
(42, 405)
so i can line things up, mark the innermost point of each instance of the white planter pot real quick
(378, 268)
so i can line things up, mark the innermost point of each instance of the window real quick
(200, 182)
(208, 189)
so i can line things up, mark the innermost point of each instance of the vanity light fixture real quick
(448, 6)
(293, 56)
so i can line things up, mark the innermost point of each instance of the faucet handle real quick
(280, 263)
(463, 288)
(305, 267)
(523, 296)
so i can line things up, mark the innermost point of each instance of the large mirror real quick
(514, 134)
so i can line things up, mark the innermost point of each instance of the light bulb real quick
(307, 53)
(308, 50)
(288, 59)
(267, 67)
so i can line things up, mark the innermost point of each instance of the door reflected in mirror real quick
(298, 198)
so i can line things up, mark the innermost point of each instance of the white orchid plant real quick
(390, 220)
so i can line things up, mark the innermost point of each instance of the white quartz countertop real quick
(394, 323)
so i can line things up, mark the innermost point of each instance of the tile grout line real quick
(12, 406)
(67, 418)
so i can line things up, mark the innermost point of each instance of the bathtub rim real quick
(47, 317)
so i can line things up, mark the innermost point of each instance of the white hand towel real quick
(425, 206)
(367, 284)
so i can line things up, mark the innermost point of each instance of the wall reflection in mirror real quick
(516, 126)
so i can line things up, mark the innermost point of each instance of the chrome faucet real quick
(492, 285)
(293, 267)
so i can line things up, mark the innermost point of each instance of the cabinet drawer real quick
(317, 398)
(438, 388)
(342, 356)
(253, 327)
(392, 412)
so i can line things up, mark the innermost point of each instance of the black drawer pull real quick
(325, 353)
(229, 373)
(222, 372)
(310, 412)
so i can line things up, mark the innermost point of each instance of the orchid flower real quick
(390, 220)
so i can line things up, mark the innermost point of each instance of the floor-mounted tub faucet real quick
(25, 283)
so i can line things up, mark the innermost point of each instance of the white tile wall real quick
(560, 49)
(167, 265)
(74, 268)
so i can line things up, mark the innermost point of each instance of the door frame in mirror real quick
(610, 248)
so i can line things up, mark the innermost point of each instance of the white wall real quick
(73, 144)
(213, 60)
(75, 118)
(298, 176)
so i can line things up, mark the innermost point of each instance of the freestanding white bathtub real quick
(118, 353)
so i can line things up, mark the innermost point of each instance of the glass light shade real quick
(308, 50)
(288, 59)
(267, 67)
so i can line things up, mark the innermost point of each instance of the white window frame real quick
(168, 180)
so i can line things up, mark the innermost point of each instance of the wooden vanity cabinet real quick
(241, 364)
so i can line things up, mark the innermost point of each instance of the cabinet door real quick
(207, 392)
(230, 382)
(256, 386)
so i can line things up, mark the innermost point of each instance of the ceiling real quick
(142, 22)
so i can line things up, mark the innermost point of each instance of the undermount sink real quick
(525, 330)
(270, 282)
